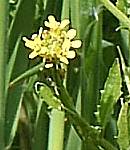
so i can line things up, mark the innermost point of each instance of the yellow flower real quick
(54, 44)
(53, 24)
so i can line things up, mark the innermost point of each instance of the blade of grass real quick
(75, 15)
(74, 141)
(3, 52)
(91, 59)
(40, 128)
(10, 65)
(65, 9)
(15, 124)
(14, 17)
(21, 25)
(54, 8)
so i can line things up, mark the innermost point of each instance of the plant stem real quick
(28, 73)
(56, 130)
(3, 43)
(117, 13)
(82, 127)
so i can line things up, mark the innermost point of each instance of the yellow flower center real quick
(53, 44)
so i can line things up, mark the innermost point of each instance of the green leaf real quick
(28, 73)
(40, 128)
(12, 116)
(3, 52)
(116, 12)
(65, 9)
(22, 23)
(123, 138)
(10, 65)
(75, 15)
(74, 142)
(110, 94)
(106, 44)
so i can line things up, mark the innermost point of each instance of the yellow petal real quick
(51, 18)
(33, 36)
(48, 65)
(44, 33)
(71, 34)
(66, 45)
(76, 44)
(53, 24)
(33, 55)
(46, 23)
(43, 50)
(24, 39)
(71, 54)
(64, 60)
(64, 23)
(40, 31)
(30, 44)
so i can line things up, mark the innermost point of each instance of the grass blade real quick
(15, 124)
(10, 65)
(3, 52)
(41, 128)
(65, 9)
(75, 17)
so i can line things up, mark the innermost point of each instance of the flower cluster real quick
(54, 44)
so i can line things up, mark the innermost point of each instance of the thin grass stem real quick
(3, 48)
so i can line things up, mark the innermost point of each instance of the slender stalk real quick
(56, 130)
(117, 13)
(82, 127)
(3, 33)
(28, 73)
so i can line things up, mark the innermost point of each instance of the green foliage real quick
(123, 138)
(56, 130)
(56, 106)
(110, 94)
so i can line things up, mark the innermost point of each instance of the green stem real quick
(117, 13)
(28, 73)
(56, 130)
(82, 127)
(3, 47)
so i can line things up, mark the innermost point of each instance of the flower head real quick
(54, 44)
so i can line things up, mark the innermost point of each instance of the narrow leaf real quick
(28, 73)
(10, 65)
(111, 93)
(123, 138)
